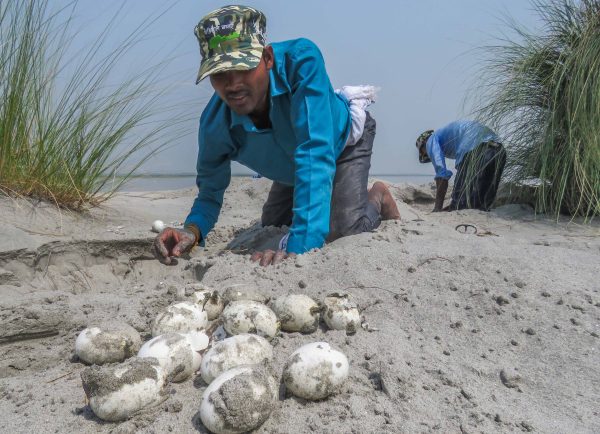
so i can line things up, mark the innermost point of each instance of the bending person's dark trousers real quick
(351, 211)
(478, 177)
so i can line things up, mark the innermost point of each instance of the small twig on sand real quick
(372, 287)
(486, 233)
(58, 378)
(435, 258)
(48, 263)
(83, 279)
(30, 231)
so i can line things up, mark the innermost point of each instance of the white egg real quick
(239, 400)
(250, 317)
(107, 343)
(297, 313)
(182, 317)
(176, 353)
(210, 301)
(115, 392)
(315, 371)
(158, 226)
(242, 291)
(244, 349)
(341, 313)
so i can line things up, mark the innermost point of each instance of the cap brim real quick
(242, 60)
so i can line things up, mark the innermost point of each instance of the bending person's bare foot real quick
(380, 196)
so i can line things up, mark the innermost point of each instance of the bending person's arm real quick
(213, 174)
(442, 174)
(441, 185)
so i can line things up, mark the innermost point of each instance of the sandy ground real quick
(490, 332)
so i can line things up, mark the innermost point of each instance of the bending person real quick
(480, 160)
(274, 110)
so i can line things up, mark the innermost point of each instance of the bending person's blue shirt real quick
(310, 125)
(454, 141)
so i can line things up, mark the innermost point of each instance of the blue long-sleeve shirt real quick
(454, 141)
(310, 125)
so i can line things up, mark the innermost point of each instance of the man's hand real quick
(172, 243)
(271, 257)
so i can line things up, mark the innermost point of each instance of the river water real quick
(176, 182)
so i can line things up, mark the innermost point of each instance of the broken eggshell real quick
(243, 291)
(297, 313)
(239, 400)
(210, 301)
(116, 392)
(250, 317)
(107, 343)
(341, 313)
(244, 349)
(182, 317)
(315, 371)
(177, 353)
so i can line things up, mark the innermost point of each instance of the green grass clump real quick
(542, 93)
(66, 128)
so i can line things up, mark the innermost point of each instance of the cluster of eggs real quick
(127, 376)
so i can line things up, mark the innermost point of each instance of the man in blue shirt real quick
(480, 159)
(275, 111)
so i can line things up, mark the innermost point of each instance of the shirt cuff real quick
(197, 223)
(447, 174)
(196, 231)
(300, 245)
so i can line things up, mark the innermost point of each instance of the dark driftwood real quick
(27, 336)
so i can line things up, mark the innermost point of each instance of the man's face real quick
(423, 157)
(245, 92)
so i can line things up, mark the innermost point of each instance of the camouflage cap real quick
(231, 38)
(421, 142)
(422, 139)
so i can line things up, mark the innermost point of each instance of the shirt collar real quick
(277, 86)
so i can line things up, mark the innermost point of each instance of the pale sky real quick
(421, 53)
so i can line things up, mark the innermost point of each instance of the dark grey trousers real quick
(351, 211)
(478, 177)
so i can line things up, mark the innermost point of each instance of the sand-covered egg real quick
(239, 400)
(107, 343)
(182, 317)
(250, 317)
(315, 371)
(211, 301)
(158, 226)
(244, 349)
(341, 313)
(243, 291)
(116, 392)
(177, 353)
(297, 313)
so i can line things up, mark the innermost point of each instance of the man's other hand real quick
(271, 257)
(171, 243)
